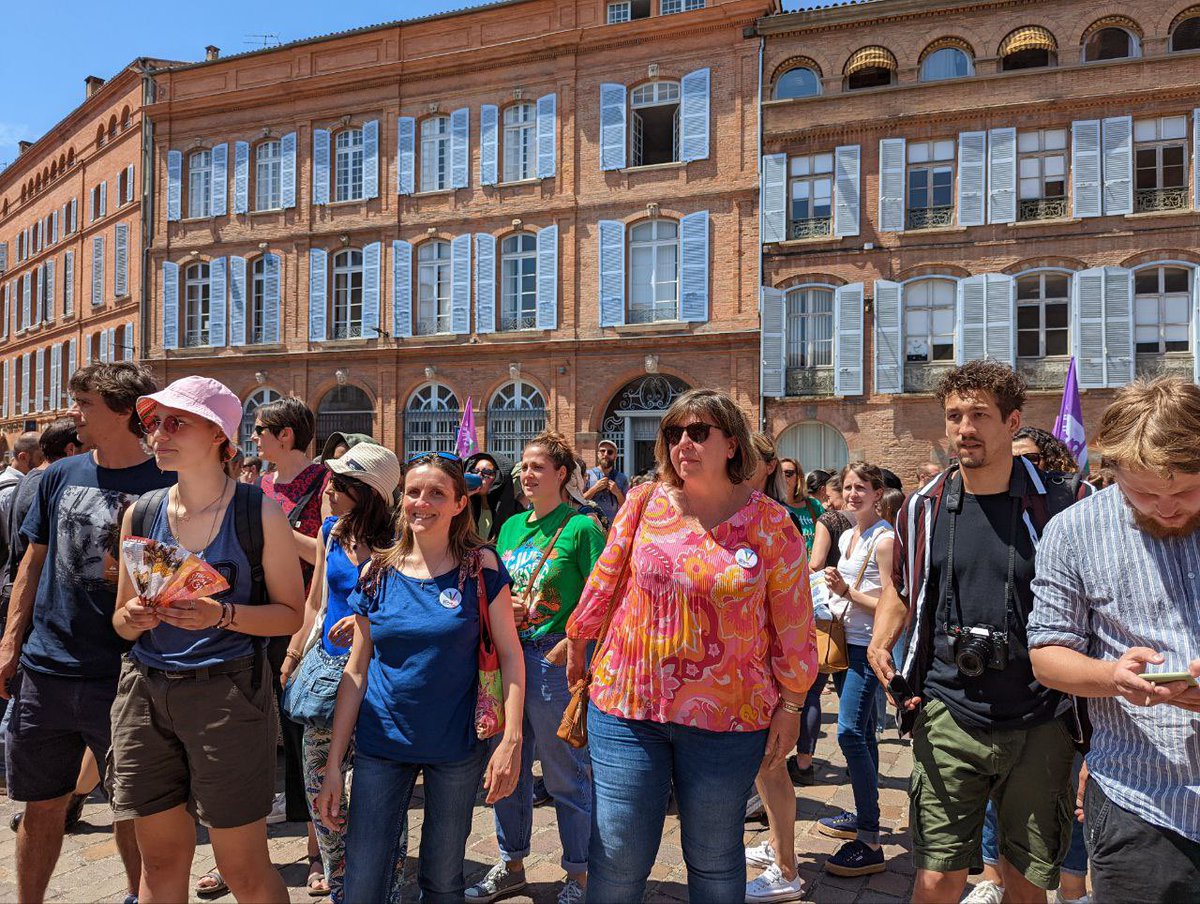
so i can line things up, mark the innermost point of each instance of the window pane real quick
(948, 62)
(1145, 282)
(797, 83)
(1175, 309)
(1056, 316)
(1028, 317)
(1145, 130)
(1054, 140)
(801, 166)
(823, 163)
(1057, 285)
(1028, 142)
(1145, 311)
(1175, 279)
(918, 152)
(1173, 127)
(1057, 342)
(1028, 345)
(1028, 287)
(1030, 166)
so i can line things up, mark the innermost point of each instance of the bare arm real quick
(822, 544)
(1076, 673)
(891, 615)
(615, 489)
(313, 605)
(20, 612)
(504, 767)
(131, 617)
(351, 690)
(306, 547)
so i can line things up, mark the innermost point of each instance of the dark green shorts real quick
(1026, 771)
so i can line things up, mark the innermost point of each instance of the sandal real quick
(317, 886)
(215, 890)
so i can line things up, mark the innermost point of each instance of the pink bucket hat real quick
(202, 396)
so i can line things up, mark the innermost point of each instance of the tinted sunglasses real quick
(170, 424)
(697, 433)
(424, 458)
(1034, 457)
(486, 472)
(260, 429)
(343, 486)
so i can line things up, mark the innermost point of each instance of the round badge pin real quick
(745, 557)
(450, 599)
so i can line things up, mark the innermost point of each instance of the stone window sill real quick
(1057, 221)
(1150, 214)
(654, 167)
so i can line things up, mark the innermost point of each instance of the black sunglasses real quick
(260, 429)
(343, 486)
(697, 433)
(1033, 457)
(486, 472)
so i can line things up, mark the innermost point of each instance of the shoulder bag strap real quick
(542, 561)
(314, 636)
(858, 580)
(486, 641)
(144, 510)
(296, 515)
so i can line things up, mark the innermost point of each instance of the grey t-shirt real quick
(23, 498)
(607, 501)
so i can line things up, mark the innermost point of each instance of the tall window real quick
(1110, 44)
(655, 120)
(1160, 154)
(433, 288)
(654, 271)
(348, 165)
(347, 294)
(929, 320)
(430, 420)
(268, 176)
(1186, 35)
(1042, 169)
(810, 208)
(798, 82)
(435, 153)
(947, 62)
(516, 414)
(520, 138)
(255, 329)
(200, 184)
(628, 10)
(810, 328)
(930, 184)
(518, 282)
(196, 306)
(1161, 310)
(1043, 315)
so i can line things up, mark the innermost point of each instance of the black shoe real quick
(14, 822)
(806, 776)
(541, 796)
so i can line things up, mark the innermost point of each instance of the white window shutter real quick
(68, 283)
(103, 346)
(39, 397)
(273, 300)
(1196, 164)
(237, 301)
(612, 272)
(694, 90)
(547, 278)
(25, 399)
(460, 284)
(241, 177)
(406, 155)
(485, 282)
(129, 343)
(892, 175)
(1002, 176)
(1002, 318)
(460, 149)
(489, 116)
(27, 303)
(287, 170)
(104, 198)
(111, 333)
(1119, 360)
(693, 267)
(889, 338)
(985, 319)
(773, 198)
(970, 341)
(130, 187)
(75, 212)
(70, 366)
(317, 279)
(372, 255)
(613, 114)
(55, 400)
(848, 342)
(7, 310)
(370, 173)
(972, 167)
(97, 270)
(121, 260)
(1085, 168)
(220, 180)
(55, 234)
(847, 188)
(402, 289)
(51, 295)
(170, 280)
(3, 256)
(39, 296)
(772, 374)
(1117, 151)
(1102, 321)
(91, 215)
(7, 388)
(218, 302)
(1195, 324)
(174, 186)
(547, 136)
(320, 170)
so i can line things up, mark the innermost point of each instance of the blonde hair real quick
(1153, 425)
(718, 409)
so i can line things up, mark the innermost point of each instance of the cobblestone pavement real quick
(90, 870)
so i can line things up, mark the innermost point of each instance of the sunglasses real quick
(697, 433)
(1034, 457)
(260, 429)
(789, 472)
(424, 458)
(340, 485)
(486, 472)
(170, 424)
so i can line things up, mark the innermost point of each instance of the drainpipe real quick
(148, 97)
(762, 402)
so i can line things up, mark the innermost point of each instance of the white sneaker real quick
(986, 892)
(760, 856)
(771, 886)
(278, 812)
(1059, 899)
(755, 808)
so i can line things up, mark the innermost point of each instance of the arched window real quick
(1186, 35)
(1162, 304)
(798, 82)
(100, 135)
(1111, 43)
(929, 308)
(653, 271)
(516, 414)
(814, 445)
(250, 407)
(518, 282)
(124, 119)
(348, 165)
(344, 409)
(112, 126)
(435, 153)
(431, 420)
(946, 62)
(196, 306)
(654, 115)
(200, 184)
(347, 294)
(810, 327)
(433, 288)
(870, 67)
(1043, 315)
(70, 157)
(520, 142)
(268, 175)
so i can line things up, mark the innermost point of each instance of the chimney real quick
(92, 83)
(211, 53)
(23, 146)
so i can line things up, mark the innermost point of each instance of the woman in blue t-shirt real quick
(408, 691)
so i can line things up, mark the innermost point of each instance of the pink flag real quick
(466, 443)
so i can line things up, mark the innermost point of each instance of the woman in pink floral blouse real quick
(703, 671)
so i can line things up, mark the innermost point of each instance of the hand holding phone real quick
(1169, 677)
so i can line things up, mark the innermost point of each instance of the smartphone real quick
(900, 690)
(1168, 677)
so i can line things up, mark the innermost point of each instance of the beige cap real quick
(374, 465)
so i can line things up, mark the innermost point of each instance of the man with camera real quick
(982, 726)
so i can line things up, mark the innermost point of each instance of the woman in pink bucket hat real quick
(193, 723)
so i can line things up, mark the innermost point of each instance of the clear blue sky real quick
(52, 47)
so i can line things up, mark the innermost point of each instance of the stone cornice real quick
(876, 14)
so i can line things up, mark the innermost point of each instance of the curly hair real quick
(1055, 454)
(1001, 382)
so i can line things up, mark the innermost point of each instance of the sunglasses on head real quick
(169, 424)
(424, 458)
(697, 433)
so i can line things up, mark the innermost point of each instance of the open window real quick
(627, 11)
(654, 108)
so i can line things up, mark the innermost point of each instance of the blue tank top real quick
(342, 575)
(169, 647)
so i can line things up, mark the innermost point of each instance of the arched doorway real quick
(632, 419)
(254, 401)
(814, 445)
(431, 420)
(345, 409)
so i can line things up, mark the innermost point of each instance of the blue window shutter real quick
(889, 338)
(985, 319)
(237, 301)
(7, 388)
(1196, 171)
(174, 186)
(972, 178)
(847, 189)
(485, 282)
(130, 187)
(371, 279)
(70, 361)
(1117, 152)
(370, 176)
(1002, 176)
(104, 198)
(68, 283)
(129, 343)
(772, 312)
(220, 179)
(111, 335)
(460, 127)
(317, 282)
(402, 289)
(460, 284)
(892, 175)
(547, 278)
(1086, 186)
(1118, 326)
(39, 296)
(55, 235)
(39, 398)
(848, 340)
(320, 167)
(121, 260)
(1087, 322)
(287, 170)
(241, 177)
(1195, 322)
(773, 198)
(489, 140)
(612, 272)
(25, 400)
(97, 270)
(170, 279)
(7, 310)
(272, 301)
(694, 91)
(51, 295)
(75, 211)
(27, 303)
(55, 400)
(406, 155)
(547, 136)
(613, 114)
(693, 267)
(218, 295)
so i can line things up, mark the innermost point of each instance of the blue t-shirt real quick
(421, 683)
(77, 516)
(607, 501)
(342, 575)
(170, 647)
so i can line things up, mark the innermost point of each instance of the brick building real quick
(547, 207)
(947, 180)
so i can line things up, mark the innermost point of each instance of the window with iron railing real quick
(930, 196)
(1042, 174)
(810, 193)
(1160, 162)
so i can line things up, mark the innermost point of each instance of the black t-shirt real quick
(23, 499)
(1011, 698)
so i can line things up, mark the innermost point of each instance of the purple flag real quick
(1069, 426)
(466, 444)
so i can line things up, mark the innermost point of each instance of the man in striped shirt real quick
(1116, 600)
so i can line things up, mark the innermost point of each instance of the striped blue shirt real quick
(1102, 587)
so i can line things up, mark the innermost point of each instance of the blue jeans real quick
(378, 808)
(1076, 861)
(856, 689)
(634, 764)
(566, 771)
(810, 724)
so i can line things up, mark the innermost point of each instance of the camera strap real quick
(953, 603)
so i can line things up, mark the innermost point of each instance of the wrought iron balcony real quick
(805, 381)
(1152, 200)
(433, 326)
(351, 330)
(195, 338)
(1042, 209)
(518, 320)
(930, 217)
(813, 227)
(649, 315)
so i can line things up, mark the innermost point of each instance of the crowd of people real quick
(544, 632)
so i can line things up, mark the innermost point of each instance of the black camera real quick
(978, 648)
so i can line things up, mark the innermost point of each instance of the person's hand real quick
(288, 669)
(1190, 698)
(140, 616)
(836, 583)
(576, 662)
(503, 770)
(781, 738)
(520, 613)
(880, 661)
(328, 802)
(191, 615)
(342, 633)
(1127, 677)
(10, 655)
(1083, 777)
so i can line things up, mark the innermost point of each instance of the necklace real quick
(180, 519)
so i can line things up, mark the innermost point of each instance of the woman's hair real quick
(866, 472)
(797, 497)
(558, 449)
(834, 483)
(371, 521)
(890, 504)
(776, 487)
(718, 409)
(1055, 454)
(289, 412)
(815, 480)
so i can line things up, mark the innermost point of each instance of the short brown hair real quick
(289, 412)
(558, 449)
(872, 474)
(1001, 382)
(120, 384)
(721, 411)
(1153, 425)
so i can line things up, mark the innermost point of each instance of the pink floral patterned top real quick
(711, 624)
